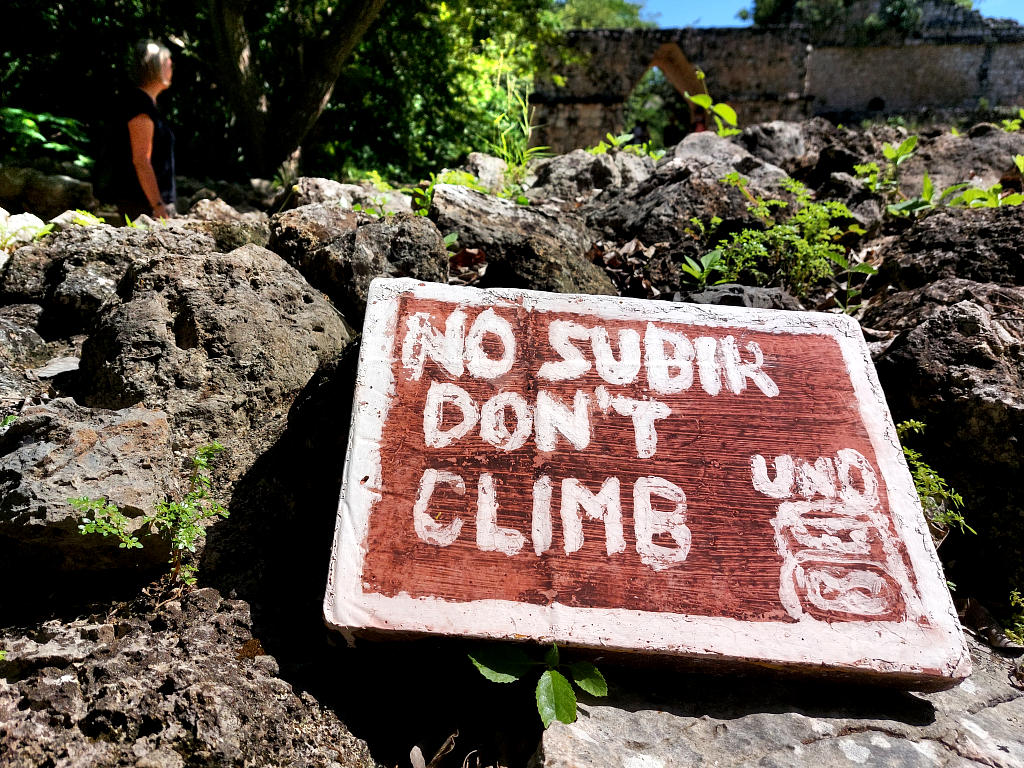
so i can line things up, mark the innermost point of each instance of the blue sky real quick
(722, 13)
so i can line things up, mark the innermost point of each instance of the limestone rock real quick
(297, 234)
(985, 245)
(685, 185)
(221, 342)
(75, 272)
(776, 724)
(228, 227)
(360, 249)
(44, 195)
(577, 173)
(981, 159)
(734, 295)
(59, 451)
(511, 235)
(489, 170)
(184, 684)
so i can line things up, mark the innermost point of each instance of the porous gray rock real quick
(297, 234)
(228, 227)
(74, 273)
(567, 177)
(489, 170)
(731, 723)
(735, 295)
(793, 146)
(685, 185)
(340, 254)
(59, 451)
(181, 684)
(981, 160)
(221, 342)
(44, 195)
(982, 244)
(510, 236)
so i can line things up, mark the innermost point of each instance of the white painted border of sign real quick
(929, 657)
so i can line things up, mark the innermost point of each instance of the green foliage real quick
(423, 195)
(600, 14)
(725, 116)
(623, 143)
(3, 655)
(1015, 628)
(928, 200)
(554, 694)
(1018, 160)
(26, 136)
(8, 420)
(102, 517)
(86, 219)
(887, 182)
(1013, 124)
(943, 507)
(700, 272)
(989, 198)
(12, 234)
(176, 522)
(845, 281)
(796, 252)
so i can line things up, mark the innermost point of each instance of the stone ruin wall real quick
(778, 73)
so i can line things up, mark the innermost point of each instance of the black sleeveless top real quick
(126, 187)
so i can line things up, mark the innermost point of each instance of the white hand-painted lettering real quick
(428, 529)
(649, 522)
(605, 505)
(561, 334)
(625, 369)
(493, 424)
(553, 417)
(478, 362)
(422, 340)
(490, 537)
(439, 395)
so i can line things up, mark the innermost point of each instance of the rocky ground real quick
(124, 350)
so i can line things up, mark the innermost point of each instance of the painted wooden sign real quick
(708, 482)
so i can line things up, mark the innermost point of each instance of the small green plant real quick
(701, 272)
(1013, 124)
(887, 182)
(555, 697)
(725, 118)
(943, 507)
(8, 420)
(928, 200)
(513, 131)
(177, 522)
(86, 219)
(3, 655)
(796, 252)
(134, 224)
(423, 195)
(989, 198)
(622, 142)
(1015, 628)
(1018, 160)
(844, 280)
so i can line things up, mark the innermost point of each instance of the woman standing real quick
(144, 171)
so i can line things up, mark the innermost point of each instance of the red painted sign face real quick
(521, 460)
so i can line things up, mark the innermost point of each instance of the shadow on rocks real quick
(274, 550)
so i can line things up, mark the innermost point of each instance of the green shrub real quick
(176, 522)
(943, 507)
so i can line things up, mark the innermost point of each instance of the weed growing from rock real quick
(726, 122)
(177, 522)
(943, 506)
(555, 697)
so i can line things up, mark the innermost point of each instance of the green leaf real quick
(1015, 199)
(927, 188)
(450, 239)
(551, 657)
(1018, 160)
(555, 699)
(701, 100)
(589, 678)
(727, 113)
(501, 663)
(864, 268)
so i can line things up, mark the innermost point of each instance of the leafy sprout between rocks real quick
(177, 522)
(555, 697)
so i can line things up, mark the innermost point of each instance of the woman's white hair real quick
(148, 61)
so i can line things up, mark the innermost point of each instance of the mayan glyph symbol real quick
(840, 560)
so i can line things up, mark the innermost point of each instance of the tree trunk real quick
(273, 124)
